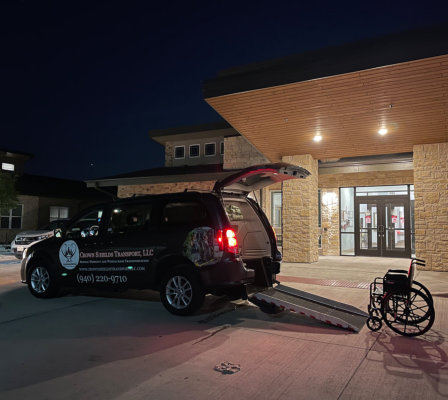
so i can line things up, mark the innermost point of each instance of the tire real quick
(374, 324)
(181, 291)
(41, 281)
(424, 289)
(408, 312)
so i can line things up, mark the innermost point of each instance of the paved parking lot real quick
(127, 346)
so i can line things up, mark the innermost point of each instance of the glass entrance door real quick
(367, 231)
(382, 226)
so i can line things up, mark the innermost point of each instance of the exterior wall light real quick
(329, 199)
(382, 131)
(317, 138)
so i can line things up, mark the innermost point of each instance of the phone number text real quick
(93, 278)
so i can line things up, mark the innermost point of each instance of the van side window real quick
(130, 218)
(85, 226)
(184, 213)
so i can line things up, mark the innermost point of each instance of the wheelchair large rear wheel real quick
(419, 286)
(408, 312)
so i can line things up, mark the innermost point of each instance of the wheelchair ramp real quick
(315, 307)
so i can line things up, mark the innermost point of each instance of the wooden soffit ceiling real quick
(410, 99)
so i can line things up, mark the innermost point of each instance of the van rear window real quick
(234, 212)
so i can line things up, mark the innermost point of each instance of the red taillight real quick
(231, 239)
(227, 240)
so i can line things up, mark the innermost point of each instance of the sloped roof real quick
(44, 186)
(361, 55)
(187, 173)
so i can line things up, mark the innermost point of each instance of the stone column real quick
(431, 204)
(299, 213)
(169, 154)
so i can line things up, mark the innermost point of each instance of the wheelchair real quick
(406, 306)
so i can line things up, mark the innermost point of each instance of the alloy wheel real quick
(40, 280)
(179, 292)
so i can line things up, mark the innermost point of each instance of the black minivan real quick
(184, 245)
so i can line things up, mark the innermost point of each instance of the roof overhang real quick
(203, 131)
(142, 180)
(345, 94)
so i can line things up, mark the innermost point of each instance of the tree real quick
(8, 194)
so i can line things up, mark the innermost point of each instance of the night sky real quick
(82, 83)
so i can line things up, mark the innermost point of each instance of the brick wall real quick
(159, 188)
(239, 153)
(431, 204)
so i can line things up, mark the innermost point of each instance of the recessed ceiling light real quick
(382, 131)
(317, 138)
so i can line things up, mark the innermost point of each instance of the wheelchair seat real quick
(399, 279)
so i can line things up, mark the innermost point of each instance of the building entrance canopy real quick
(344, 95)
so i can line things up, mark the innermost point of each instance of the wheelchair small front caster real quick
(374, 323)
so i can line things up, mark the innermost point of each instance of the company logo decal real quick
(201, 248)
(69, 254)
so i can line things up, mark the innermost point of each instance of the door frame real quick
(380, 202)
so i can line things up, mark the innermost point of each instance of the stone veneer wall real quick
(330, 221)
(374, 178)
(169, 154)
(431, 204)
(159, 188)
(300, 213)
(239, 153)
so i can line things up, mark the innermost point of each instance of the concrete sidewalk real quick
(361, 270)
(127, 348)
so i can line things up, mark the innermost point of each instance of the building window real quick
(412, 207)
(221, 145)
(58, 213)
(319, 208)
(194, 150)
(7, 166)
(210, 149)
(179, 152)
(276, 209)
(319, 219)
(347, 220)
(12, 218)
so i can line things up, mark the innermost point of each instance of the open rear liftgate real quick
(307, 304)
